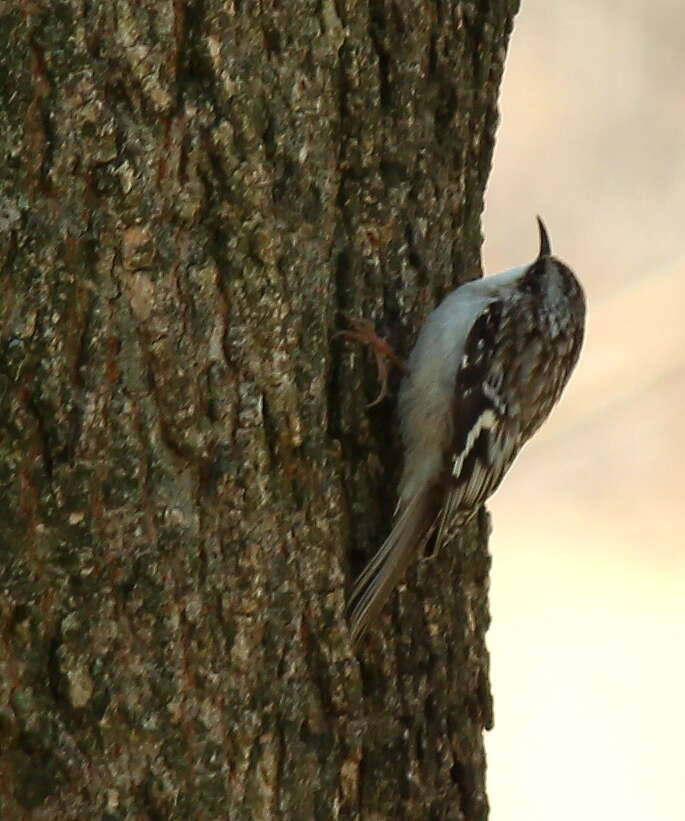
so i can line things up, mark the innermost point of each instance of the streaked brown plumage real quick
(488, 366)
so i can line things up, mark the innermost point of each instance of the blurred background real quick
(588, 582)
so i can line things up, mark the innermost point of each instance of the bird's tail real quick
(413, 526)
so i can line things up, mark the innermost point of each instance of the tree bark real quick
(192, 193)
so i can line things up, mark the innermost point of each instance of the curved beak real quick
(545, 248)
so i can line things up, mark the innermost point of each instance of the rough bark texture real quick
(189, 478)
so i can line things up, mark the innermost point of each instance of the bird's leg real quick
(363, 331)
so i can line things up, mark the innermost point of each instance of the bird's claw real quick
(363, 331)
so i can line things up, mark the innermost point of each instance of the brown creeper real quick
(489, 364)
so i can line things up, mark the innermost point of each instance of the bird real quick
(489, 364)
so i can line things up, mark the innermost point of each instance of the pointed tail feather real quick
(371, 590)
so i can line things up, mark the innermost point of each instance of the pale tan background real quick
(588, 595)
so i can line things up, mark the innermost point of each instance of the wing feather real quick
(486, 432)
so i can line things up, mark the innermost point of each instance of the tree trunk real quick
(192, 193)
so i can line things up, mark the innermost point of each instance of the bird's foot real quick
(363, 331)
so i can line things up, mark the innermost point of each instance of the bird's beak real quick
(545, 248)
